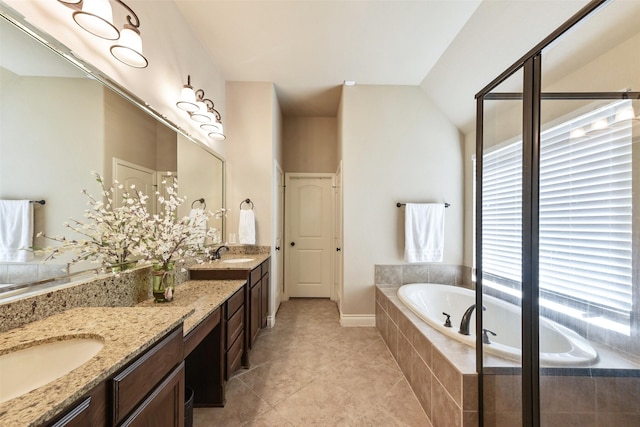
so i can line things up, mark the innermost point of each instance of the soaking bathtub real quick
(559, 346)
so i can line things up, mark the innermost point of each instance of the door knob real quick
(338, 249)
(293, 243)
(277, 248)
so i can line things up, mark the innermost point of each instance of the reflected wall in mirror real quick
(58, 124)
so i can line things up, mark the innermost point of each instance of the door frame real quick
(288, 176)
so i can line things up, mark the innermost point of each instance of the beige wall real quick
(130, 134)
(310, 144)
(47, 152)
(249, 153)
(412, 153)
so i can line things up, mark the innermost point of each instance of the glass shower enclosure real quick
(558, 228)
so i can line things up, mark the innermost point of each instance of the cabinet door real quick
(254, 321)
(90, 410)
(165, 405)
(264, 301)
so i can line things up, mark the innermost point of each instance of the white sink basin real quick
(237, 260)
(32, 367)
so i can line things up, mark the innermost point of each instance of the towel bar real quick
(446, 205)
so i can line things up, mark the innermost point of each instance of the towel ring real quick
(247, 201)
(201, 200)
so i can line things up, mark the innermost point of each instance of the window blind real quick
(585, 214)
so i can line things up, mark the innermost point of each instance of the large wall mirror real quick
(59, 123)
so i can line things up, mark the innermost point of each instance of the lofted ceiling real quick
(451, 48)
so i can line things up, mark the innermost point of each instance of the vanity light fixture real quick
(623, 116)
(201, 110)
(598, 126)
(577, 133)
(96, 17)
(188, 98)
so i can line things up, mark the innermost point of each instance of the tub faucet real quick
(466, 319)
(216, 253)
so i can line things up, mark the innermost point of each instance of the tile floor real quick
(310, 371)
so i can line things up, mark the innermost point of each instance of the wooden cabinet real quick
(264, 295)
(235, 329)
(256, 298)
(147, 392)
(164, 407)
(142, 376)
(89, 410)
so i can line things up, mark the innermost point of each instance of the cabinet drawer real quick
(255, 276)
(234, 303)
(165, 405)
(235, 326)
(136, 381)
(265, 267)
(234, 356)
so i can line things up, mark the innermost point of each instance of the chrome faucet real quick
(216, 253)
(466, 319)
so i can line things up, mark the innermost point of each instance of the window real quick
(585, 217)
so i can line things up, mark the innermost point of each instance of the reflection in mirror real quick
(58, 124)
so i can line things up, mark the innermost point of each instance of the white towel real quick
(16, 230)
(247, 227)
(424, 232)
(200, 226)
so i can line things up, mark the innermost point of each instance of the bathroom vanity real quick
(254, 269)
(149, 353)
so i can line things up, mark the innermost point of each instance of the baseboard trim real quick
(355, 320)
(271, 321)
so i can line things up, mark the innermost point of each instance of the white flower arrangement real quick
(110, 235)
(129, 233)
(168, 238)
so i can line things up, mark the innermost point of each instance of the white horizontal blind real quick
(585, 215)
(585, 212)
(502, 213)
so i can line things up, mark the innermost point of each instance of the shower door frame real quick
(531, 96)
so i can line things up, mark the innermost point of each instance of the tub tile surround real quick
(395, 275)
(438, 369)
(441, 372)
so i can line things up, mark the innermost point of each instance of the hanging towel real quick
(16, 230)
(200, 226)
(247, 227)
(424, 232)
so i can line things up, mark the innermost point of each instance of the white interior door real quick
(144, 179)
(309, 250)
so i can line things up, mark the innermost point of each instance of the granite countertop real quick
(126, 331)
(219, 264)
(203, 296)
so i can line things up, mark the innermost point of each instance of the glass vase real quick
(163, 276)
